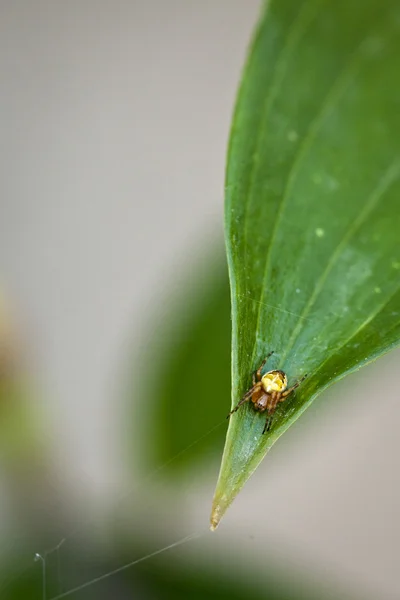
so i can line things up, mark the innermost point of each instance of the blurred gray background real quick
(114, 122)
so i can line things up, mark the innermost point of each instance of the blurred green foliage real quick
(188, 358)
(165, 577)
(181, 389)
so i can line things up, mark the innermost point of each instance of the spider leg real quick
(258, 372)
(290, 390)
(268, 423)
(245, 398)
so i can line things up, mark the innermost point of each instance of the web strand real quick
(126, 494)
(42, 559)
(180, 542)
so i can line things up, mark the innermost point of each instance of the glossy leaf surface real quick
(312, 209)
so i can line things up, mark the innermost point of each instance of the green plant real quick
(312, 209)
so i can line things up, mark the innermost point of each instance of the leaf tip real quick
(214, 521)
(217, 512)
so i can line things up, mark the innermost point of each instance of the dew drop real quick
(377, 290)
(319, 232)
(317, 179)
(292, 136)
(332, 184)
(373, 46)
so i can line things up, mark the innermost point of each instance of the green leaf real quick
(312, 209)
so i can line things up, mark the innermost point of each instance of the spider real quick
(267, 390)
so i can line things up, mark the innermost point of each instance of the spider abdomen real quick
(260, 401)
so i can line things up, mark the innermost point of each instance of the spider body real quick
(267, 391)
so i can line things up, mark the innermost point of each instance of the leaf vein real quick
(383, 185)
(361, 327)
(299, 27)
(334, 93)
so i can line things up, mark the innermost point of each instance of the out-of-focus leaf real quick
(168, 577)
(80, 575)
(184, 374)
(19, 433)
(197, 582)
(27, 473)
(17, 584)
(312, 209)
